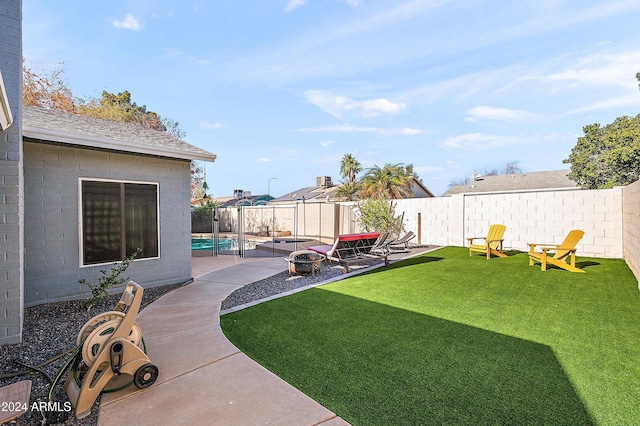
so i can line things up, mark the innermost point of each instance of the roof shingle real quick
(60, 126)
(516, 182)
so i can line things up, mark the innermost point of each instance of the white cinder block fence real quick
(532, 216)
(609, 217)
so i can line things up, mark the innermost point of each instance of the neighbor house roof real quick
(553, 179)
(59, 126)
(323, 193)
(308, 194)
(246, 200)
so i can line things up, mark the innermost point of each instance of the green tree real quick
(348, 191)
(120, 108)
(349, 168)
(607, 156)
(379, 215)
(52, 91)
(392, 181)
(408, 170)
(349, 186)
(206, 206)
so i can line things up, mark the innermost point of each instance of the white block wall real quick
(610, 219)
(438, 218)
(541, 217)
(631, 226)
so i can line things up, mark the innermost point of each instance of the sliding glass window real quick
(117, 219)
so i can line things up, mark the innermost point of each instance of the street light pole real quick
(269, 186)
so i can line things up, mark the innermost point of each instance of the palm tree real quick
(349, 168)
(408, 169)
(348, 191)
(389, 182)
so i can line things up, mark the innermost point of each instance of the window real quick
(118, 218)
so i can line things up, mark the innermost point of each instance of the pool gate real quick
(267, 229)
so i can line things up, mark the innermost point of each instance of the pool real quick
(206, 243)
(224, 243)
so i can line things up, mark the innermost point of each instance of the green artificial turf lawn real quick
(445, 338)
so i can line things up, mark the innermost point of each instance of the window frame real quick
(81, 218)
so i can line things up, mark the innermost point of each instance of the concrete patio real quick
(204, 379)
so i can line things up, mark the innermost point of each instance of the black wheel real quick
(145, 376)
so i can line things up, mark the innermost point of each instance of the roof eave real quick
(108, 143)
(515, 191)
(424, 188)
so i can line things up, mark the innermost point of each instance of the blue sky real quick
(284, 88)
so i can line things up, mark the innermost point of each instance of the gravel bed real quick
(51, 329)
(277, 284)
(284, 281)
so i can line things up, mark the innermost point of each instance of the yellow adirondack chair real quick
(562, 251)
(492, 242)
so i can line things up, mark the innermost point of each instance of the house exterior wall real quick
(11, 177)
(52, 172)
(631, 225)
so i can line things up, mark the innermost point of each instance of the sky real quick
(281, 90)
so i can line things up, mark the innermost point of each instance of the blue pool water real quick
(207, 244)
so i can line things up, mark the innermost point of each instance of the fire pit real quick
(304, 262)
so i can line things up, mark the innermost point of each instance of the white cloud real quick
(215, 125)
(327, 143)
(376, 107)
(350, 128)
(480, 142)
(264, 160)
(339, 105)
(503, 114)
(614, 69)
(326, 47)
(631, 100)
(293, 4)
(129, 23)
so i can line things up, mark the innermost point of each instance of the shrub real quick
(106, 281)
(379, 215)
